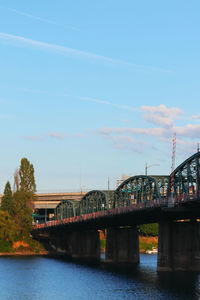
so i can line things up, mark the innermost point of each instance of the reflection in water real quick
(44, 278)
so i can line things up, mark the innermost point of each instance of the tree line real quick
(17, 206)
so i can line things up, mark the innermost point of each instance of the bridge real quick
(138, 200)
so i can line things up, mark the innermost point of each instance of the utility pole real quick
(81, 180)
(108, 184)
(146, 167)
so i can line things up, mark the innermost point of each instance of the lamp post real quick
(146, 167)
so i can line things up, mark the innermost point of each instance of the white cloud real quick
(80, 135)
(54, 135)
(157, 132)
(57, 135)
(189, 131)
(196, 117)
(187, 136)
(161, 115)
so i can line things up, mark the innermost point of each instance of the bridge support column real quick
(60, 242)
(85, 245)
(179, 246)
(122, 246)
(82, 245)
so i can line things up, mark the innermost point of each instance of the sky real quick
(91, 90)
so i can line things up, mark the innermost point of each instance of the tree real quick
(7, 227)
(22, 213)
(24, 196)
(27, 179)
(149, 229)
(7, 199)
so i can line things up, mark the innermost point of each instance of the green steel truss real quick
(92, 202)
(65, 209)
(140, 189)
(187, 177)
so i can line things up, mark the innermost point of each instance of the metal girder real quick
(140, 189)
(65, 209)
(187, 177)
(92, 202)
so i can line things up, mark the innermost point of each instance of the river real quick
(45, 278)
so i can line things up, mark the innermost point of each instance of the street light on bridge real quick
(146, 167)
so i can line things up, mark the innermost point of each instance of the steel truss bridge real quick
(148, 199)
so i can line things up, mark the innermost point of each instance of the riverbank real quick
(24, 253)
(20, 248)
(148, 243)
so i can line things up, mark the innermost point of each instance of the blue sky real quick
(94, 89)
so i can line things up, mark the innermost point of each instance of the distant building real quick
(123, 178)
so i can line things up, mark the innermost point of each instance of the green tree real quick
(7, 199)
(149, 229)
(24, 197)
(7, 227)
(27, 179)
(22, 213)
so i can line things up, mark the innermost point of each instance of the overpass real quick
(45, 203)
(138, 200)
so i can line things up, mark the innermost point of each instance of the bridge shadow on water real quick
(169, 285)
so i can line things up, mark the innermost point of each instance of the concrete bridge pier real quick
(85, 245)
(122, 246)
(60, 242)
(80, 245)
(179, 246)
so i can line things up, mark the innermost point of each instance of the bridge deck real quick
(142, 213)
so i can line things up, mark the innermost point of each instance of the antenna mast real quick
(173, 152)
(173, 163)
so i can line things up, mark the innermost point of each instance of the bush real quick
(5, 246)
(149, 229)
(147, 244)
(103, 243)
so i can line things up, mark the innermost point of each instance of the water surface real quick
(44, 278)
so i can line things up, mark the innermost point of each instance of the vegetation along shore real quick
(16, 213)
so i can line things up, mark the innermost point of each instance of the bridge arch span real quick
(65, 209)
(187, 178)
(93, 201)
(135, 190)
